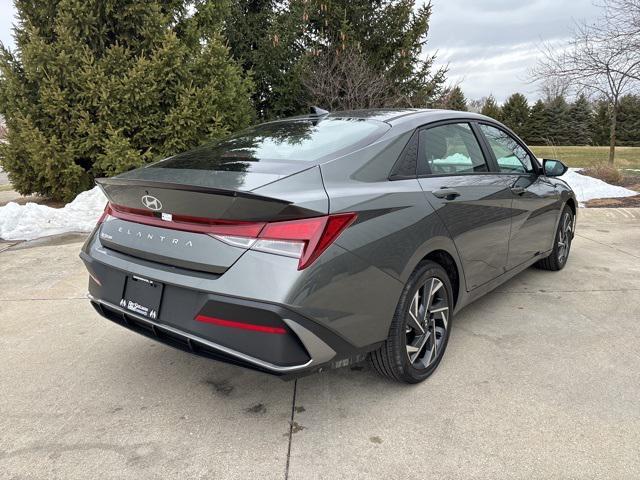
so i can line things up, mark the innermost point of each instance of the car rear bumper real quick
(305, 346)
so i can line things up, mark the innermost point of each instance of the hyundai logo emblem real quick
(152, 203)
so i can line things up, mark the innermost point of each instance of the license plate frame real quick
(142, 296)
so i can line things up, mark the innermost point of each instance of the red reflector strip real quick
(241, 325)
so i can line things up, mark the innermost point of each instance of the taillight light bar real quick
(305, 239)
(183, 222)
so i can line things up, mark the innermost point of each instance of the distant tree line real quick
(555, 121)
(601, 59)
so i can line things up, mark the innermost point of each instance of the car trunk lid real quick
(164, 219)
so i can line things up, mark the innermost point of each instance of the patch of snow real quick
(457, 158)
(26, 222)
(587, 188)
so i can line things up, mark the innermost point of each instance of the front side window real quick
(511, 157)
(450, 149)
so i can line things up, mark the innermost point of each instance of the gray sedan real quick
(318, 241)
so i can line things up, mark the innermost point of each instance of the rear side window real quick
(450, 149)
(511, 157)
(289, 141)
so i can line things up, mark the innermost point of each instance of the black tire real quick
(393, 359)
(561, 243)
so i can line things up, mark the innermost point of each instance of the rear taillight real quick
(305, 239)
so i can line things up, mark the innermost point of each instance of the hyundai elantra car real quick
(317, 241)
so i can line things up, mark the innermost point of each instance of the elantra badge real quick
(152, 203)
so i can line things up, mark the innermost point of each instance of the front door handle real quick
(448, 193)
(518, 190)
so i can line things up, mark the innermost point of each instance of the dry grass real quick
(626, 157)
(624, 202)
(606, 173)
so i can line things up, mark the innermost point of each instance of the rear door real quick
(473, 202)
(536, 202)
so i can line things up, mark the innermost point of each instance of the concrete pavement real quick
(540, 380)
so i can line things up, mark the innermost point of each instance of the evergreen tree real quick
(515, 113)
(285, 37)
(491, 108)
(629, 121)
(580, 122)
(455, 100)
(556, 115)
(601, 123)
(269, 43)
(537, 132)
(96, 88)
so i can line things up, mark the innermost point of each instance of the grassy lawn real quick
(626, 157)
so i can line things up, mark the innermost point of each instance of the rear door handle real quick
(518, 190)
(448, 193)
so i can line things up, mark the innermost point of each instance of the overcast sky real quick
(488, 44)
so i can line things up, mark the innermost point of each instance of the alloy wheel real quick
(427, 323)
(564, 237)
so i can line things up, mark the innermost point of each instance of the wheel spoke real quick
(433, 288)
(413, 320)
(415, 304)
(435, 338)
(430, 355)
(445, 321)
(411, 349)
(414, 323)
(419, 347)
(438, 310)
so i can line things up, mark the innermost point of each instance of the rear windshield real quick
(295, 141)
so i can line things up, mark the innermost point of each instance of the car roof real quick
(402, 115)
(395, 116)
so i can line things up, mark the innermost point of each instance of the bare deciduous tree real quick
(622, 21)
(342, 80)
(594, 63)
(554, 87)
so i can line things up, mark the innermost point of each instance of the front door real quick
(536, 202)
(473, 203)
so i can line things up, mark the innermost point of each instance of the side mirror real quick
(554, 168)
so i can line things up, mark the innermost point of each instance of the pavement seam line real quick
(572, 291)
(293, 412)
(607, 245)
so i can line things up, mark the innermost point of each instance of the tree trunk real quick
(612, 137)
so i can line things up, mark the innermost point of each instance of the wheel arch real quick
(448, 262)
(572, 205)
